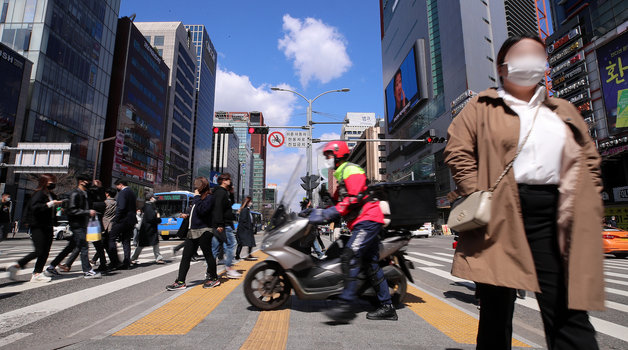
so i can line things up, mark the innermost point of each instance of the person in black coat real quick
(198, 235)
(246, 230)
(41, 216)
(148, 235)
(222, 222)
(123, 224)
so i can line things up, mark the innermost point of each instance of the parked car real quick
(615, 241)
(61, 229)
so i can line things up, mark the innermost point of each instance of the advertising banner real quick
(613, 64)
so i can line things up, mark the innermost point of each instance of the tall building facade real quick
(588, 52)
(71, 46)
(15, 71)
(369, 156)
(356, 124)
(240, 123)
(419, 40)
(174, 43)
(204, 104)
(258, 147)
(136, 115)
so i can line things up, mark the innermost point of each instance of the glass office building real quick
(204, 104)
(173, 42)
(136, 115)
(71, 46)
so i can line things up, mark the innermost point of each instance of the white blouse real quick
(540, 159)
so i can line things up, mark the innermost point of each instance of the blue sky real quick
(325, 45)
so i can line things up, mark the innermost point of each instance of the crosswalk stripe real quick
(13, 338)
(616, 291)
(623, 283)
(615, 267)
(432, 257)
(616, 263)
(451, 256)
(448, 276)
(615, 274)
(423, 262)
(616, 306)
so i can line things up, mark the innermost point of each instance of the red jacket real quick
(355, 182)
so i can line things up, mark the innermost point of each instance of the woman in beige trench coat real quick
(544, 232)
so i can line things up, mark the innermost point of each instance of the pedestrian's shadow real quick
(464, 297)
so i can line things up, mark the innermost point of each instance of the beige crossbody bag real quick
(474, 211)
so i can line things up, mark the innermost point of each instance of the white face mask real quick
(526, 70)
(329, 163)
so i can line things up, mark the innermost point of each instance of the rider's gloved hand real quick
(323, 216)
(305, 213)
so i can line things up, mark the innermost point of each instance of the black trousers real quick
(189, 250)
(124, 233)
(564, 328)
(42, 240)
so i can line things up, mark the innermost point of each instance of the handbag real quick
(94, 230)
(474, 211)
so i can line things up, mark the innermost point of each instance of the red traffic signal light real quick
(258, 130)
(223, 130)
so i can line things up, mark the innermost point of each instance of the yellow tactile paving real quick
(270, 331)
(183, 313)
(454, 323)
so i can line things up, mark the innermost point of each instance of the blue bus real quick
(170, 206)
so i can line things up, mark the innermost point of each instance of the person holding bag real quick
(532, 157)
(222, 222)
(199, 234)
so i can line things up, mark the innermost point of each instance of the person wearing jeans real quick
(40, 215)
(222, 221)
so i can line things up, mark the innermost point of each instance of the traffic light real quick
(430, 137)
(310, 182)
(258, 130)
(223, 130)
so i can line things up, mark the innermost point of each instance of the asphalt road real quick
(131, 309)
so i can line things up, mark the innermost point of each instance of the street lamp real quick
(309, 125)
(100, 142)
(178, 177)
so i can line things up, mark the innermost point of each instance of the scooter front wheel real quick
(266, 286)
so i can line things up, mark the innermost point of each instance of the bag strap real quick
(512, 162)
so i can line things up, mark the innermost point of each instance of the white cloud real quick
(318, 51)
(236, 93)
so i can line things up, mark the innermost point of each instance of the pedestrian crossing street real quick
(616, 278)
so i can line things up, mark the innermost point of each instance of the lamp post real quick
(309, 125)
(100, 142)
(178, 177)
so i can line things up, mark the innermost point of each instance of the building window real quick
(4, 10)
(147, 37)
(159, 40)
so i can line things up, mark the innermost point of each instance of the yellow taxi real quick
(615, 241)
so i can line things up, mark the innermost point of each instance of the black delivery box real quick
(411, 203)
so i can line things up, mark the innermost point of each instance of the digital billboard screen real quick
(402, 92)
(613, 64)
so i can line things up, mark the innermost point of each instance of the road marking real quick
(270, 331)
(35, 312)
(602, 326)
(616, 291)
(26, 285)
(423, 262)
(448, 276)
(615, 267)
(608, 280)
(183, 313)
(616, 306)
(615, 274)
(433, 257)
(13, 338)
(449, 255)
(454, 323)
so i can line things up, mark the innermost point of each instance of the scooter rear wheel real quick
(266, 286)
